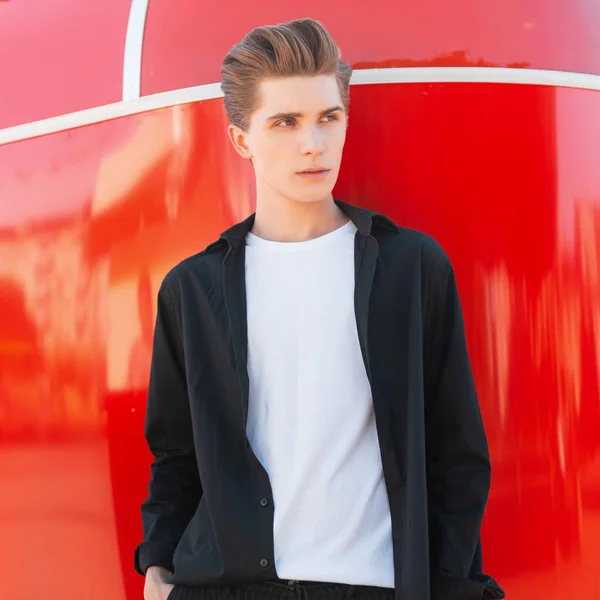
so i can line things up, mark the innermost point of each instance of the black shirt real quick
(208, 516)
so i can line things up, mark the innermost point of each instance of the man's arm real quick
(458, 463)
(174, 490)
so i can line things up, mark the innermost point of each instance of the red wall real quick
(504, 175)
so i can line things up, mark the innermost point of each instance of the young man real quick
(311, 408)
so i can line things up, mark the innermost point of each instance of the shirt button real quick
(264, 562)
(264, 502)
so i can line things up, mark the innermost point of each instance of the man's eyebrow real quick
(330, 110)
(298, 115)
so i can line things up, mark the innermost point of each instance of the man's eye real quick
(331, 117)
(285, 123)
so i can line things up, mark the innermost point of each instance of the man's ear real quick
(239, 140)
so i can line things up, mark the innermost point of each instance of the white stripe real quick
(476, 75)
(359, 77)
(109, 111)
(134, 42)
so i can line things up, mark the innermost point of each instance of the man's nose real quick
(313, 142)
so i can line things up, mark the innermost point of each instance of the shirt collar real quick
(361, 217)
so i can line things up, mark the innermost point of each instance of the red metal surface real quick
(83, 245)
(184, 44)
(505, 176)
(513, 195)
(59, 56)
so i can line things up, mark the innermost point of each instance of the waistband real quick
(282, 589)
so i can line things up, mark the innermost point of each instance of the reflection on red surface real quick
(182, 47)
(61, 56)
(97, 217)
(500, 174)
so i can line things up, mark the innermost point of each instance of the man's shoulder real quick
(413, 243)
(201, 267)
(407, 250)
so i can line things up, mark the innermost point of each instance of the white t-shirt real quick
(311, 421)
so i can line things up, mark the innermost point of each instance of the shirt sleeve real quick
(458, 463)
(174, 490)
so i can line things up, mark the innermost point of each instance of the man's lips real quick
(313, 171)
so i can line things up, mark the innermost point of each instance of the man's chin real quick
(313, 196)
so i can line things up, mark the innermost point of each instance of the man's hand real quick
(157, 586)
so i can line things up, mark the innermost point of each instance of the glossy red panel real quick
(59, 56)
(185, 41)
(504, 176)
(90, 220)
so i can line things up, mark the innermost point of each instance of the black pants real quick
(282, 590)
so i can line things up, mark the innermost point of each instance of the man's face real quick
(299, 125)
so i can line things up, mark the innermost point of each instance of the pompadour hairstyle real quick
(299, 48)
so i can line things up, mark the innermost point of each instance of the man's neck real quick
(286, 220)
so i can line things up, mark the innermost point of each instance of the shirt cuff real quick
(153, 554)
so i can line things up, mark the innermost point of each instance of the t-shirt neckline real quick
(254, 240)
